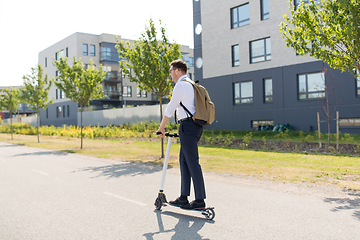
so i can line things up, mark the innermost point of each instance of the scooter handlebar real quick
(167, 134)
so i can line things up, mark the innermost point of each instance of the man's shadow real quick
(183, 229)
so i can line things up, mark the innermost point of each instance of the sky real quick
(30, 26)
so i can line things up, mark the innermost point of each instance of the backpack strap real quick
(187, 110)
(181, 104)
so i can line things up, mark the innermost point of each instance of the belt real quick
(183, 119)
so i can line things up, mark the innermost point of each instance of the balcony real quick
(113, 76)
(110, 56)
(113, 94)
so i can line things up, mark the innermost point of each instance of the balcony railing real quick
(113, 76)
(113, 94)
(109, 56)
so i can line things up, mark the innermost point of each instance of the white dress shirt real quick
(183, 92)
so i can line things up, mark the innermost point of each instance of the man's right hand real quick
(160, 132)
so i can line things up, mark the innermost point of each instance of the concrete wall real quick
(121, 116)
(29, 120)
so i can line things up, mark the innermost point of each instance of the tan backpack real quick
(204, 107)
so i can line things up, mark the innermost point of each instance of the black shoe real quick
(193, 205)
(178, 202)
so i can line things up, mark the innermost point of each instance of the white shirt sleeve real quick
(175, 100)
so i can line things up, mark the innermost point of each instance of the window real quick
(127, 91)
(256, 124)
(63, 111)
(235, 55)
(59, 55)
(92, 50)
(45, 62)
(268, 90)
(240, 16)
(297, 2)
(85, 49)
(243, 92)
(61, 94)
(57, 73)
(358, 83)
(138, 93)
(47, 113)
(67, 52)
(57, 94)
(68, 111)
(105, 53)
(349, 122)
(260, 50)
(264, 4)
(190, 62)
(58, 111)
(144, 94)
(311, 85)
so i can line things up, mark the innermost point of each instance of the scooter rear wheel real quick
(209, 214)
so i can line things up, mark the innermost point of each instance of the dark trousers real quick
(190, 134)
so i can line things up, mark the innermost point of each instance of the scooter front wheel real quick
(158, 203)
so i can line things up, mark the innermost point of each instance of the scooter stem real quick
(166, 161)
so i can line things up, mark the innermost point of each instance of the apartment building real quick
(22, 110)
(119, 91)
(254, 79)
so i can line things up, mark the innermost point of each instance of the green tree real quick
(79, 85)
(147, 62)
(327, 30)
(35, 92)
(9, 100)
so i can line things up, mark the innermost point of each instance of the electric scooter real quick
(161, 201)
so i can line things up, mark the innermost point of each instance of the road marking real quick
(125, 199)
(43, 173)
(4, 160)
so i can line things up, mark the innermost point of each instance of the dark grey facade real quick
(296, 97)
(286, 106)
(52, 116)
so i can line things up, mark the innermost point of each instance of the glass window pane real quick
(316, 82)
(268, 87)
(235, 17)
(268, 45)
(257, 48)
(92, 50)
(268, 99)
(302, 96)
(316, 95)
(244, 15)
(264, 9)
(237, 90)
(85, 49)
(302, 83)
(246, 89)
(258, 59)
(235, 56)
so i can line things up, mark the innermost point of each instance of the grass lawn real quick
(285, 167)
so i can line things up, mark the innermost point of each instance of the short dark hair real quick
(179, 64)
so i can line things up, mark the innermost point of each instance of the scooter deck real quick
(208, 212)
(195, 209)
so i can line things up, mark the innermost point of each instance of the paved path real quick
(46, 194)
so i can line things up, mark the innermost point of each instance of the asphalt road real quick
(47, 194)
